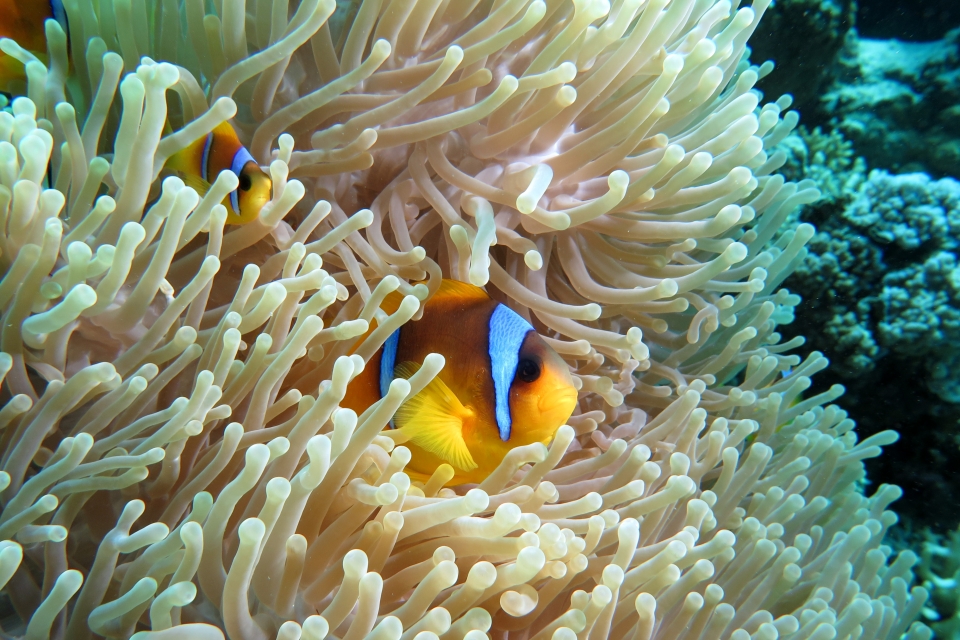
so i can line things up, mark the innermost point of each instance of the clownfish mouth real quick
(561, 400)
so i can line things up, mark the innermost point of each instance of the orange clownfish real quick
(502, 386)
(24, 23)
(200, 163)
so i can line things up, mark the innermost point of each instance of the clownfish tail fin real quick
(434, 420)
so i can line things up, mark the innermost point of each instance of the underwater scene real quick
(480, 319)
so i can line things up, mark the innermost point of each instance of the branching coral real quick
(175, 461)
(883, 274)
(827, 158)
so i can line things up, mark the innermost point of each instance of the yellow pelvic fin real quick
(434, 419)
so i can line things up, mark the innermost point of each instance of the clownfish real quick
(24, 23)
(200, 163)
(502, 385)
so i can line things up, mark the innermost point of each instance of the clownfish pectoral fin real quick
(434, 419)
(198, 184)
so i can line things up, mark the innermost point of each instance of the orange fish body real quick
(200, 163)
(502, 386)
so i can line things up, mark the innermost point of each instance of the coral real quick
(827, 158)
(882, 275)
(897, 102)
(841, 271)
(909, 211)
(841, 267)
(920, 308)
(175, 462)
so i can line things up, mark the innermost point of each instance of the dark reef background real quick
(877, 86)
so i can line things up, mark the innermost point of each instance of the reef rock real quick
(899, 102)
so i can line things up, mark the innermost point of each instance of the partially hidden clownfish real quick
(502, 385)
(23, 22)
(200, 163)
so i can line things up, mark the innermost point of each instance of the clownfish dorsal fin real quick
(448, 290)
(434, 420)
(391, 302)
(459, 290)
(226, 130)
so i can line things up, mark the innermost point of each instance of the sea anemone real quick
(175, 462)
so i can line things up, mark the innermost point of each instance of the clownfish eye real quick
(245, 183)
(528, 370)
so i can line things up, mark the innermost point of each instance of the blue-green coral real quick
(921, 316)
(916, 308)
(898, 102)
(828, 159)
(882, 273)
(910, 211)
